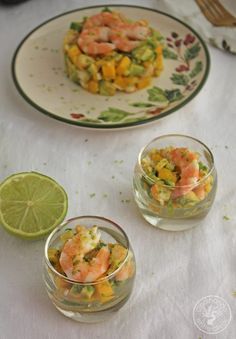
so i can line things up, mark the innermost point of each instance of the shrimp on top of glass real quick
(103, 269)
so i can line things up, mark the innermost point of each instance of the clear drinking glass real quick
(95, 301)
(186, 211)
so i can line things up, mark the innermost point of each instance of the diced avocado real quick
(191, 196)
(117, 56)
(106, 88)
(164, 194)
(87, 291)
(83, 76)
(147, 55)
(71, 70)
(84, 61)
(92, 69)
(143, 53)
(188, 199)
(76, 26)
(136, 70)
(156, 35)
(75, 289)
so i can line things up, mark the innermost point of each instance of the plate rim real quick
(110, 126)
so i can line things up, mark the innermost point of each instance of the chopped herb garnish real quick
(106, 9)
(202, 167)
(92, 195)
(100, 245)
(225, 217)
(76, 26)
(169, 183)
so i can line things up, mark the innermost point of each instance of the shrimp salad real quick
(100, 270)
(107, 52)
(177, 177)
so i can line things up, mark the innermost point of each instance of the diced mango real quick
(124, 82)
(108, 70)
(159, 63)
(104, 291)
(67, 235)
(143, 82)
(93, 86)
(123, 65)
(61, 283)
(73, 53)
(159, 50)
(84, 61)
(53, 255)
(208, 187)
(156, 157)
(166, 174)
(146, 64)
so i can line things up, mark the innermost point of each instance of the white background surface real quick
(174, 270)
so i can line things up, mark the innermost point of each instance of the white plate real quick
(38, 72)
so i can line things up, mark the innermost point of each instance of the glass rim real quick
(182, 136)
(46, 247)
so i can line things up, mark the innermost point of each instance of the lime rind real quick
(48, 197)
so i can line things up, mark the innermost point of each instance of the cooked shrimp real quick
(127, 270)
(73, 261)
(135, 31)
(200, 192)
(94, 41)
(90, 271)
(103, 19)
(187, 163)
(128, 36)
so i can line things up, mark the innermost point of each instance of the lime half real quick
(31, 204)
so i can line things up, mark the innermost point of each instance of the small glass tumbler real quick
(163, 209)
(94, 301)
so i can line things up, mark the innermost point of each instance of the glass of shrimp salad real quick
(175, 182)
(89, 268)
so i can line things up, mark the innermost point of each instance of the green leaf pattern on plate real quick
(180, 79)
(182, 51)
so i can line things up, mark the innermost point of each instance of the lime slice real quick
(31, 204)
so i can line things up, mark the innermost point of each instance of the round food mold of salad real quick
(108, 52)
(175, 182)
(89, 268)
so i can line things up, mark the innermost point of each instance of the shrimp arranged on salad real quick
(187, 162)
(103, 19)
(73, 258)
(106, 31)
(128, 36)
(95, 41)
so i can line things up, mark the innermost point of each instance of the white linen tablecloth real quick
(174, 270)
